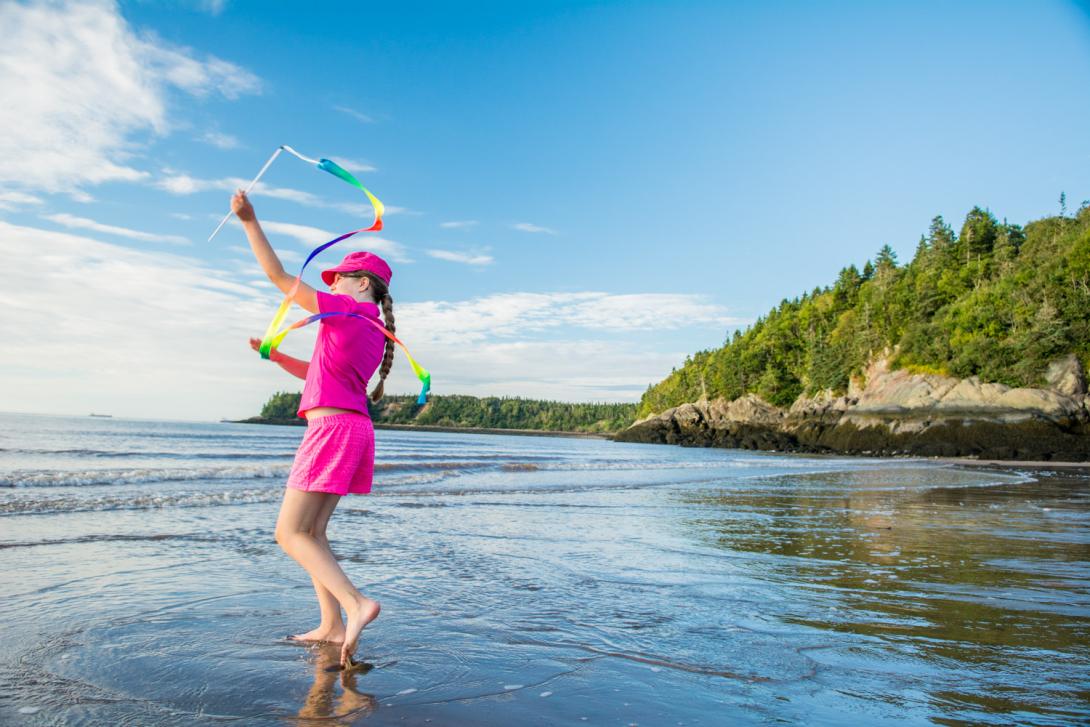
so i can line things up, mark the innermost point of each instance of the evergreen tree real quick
(978, 233)
(940, 236)
(1000, 302)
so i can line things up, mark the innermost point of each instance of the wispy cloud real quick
(212, 7)
(461, 257)
(355, 166)
(505, 315)
(15, 200)
(568, 369)
(288, 256)
(69, 122)
(457, 224)
(548, 345)
(163, 316)
(83, 223)
(220, 140)
(170, 317)
(530, 227)
(314, 236)
(304, 234)
(393, 251)
(357, 115)
(183, 185)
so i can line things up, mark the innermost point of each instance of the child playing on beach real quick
(337, 454)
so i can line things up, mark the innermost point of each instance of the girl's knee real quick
(285, 535)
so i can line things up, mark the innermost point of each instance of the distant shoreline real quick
(300, 422)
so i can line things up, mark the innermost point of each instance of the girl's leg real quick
(298, 514)
(331, 627)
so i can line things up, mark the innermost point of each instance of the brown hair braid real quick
(381, 294)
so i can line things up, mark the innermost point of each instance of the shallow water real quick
(529, 580)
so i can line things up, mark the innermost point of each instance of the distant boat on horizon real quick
(104, 416)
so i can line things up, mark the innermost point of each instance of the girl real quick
(337, 454)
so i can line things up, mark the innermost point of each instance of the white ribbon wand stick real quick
(282, 147)
(251, 186)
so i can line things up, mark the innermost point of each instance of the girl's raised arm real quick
(266, 256)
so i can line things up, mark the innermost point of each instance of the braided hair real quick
(381, 295)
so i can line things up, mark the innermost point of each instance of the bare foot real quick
(332, 635)
(364, 613)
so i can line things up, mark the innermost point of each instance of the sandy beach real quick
(538, 581)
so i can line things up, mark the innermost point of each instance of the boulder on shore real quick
(896, 413)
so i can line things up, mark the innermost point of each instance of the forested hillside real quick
(995, 300)
(478, 412)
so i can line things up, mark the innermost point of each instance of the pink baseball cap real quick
(356, 261)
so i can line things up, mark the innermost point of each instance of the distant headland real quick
(486, 415)
(978, 347)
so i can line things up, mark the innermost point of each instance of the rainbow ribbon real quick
(273, 334)
(420, 371)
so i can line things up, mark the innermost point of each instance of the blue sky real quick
(581, 194)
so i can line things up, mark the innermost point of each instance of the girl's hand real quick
(240, 205)
(255, 344)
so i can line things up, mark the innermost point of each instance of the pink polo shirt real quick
(346, 354)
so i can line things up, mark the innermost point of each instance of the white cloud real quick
(461, 257)
(212, 7)
(220, 140)
(15, 200)
(530, 227)
(572, 369)
(357, 115)
(102, 327)
(394, 252)
(80, 90)
(309, 236)
(457, 224)
(314, 236)
(83, 223)
(354, 166)
(182, 184)
(504, 315)
(496, 345)
(547, 344)
(249, 265)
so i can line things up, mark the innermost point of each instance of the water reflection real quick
(326, 704)
(987, 586)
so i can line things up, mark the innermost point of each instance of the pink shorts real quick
(337, 455)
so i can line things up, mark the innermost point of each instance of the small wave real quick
(119, 454)
(435, 465)
(54, 478)
(269, 470)
(130, 501)
(112, 538)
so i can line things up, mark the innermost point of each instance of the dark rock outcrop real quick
(893, 413)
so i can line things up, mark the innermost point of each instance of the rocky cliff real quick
(896, 412)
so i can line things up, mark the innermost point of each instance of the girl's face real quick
(357, 287)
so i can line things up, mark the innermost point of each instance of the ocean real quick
(536, 580)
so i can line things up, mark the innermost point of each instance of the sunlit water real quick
(529, 580)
